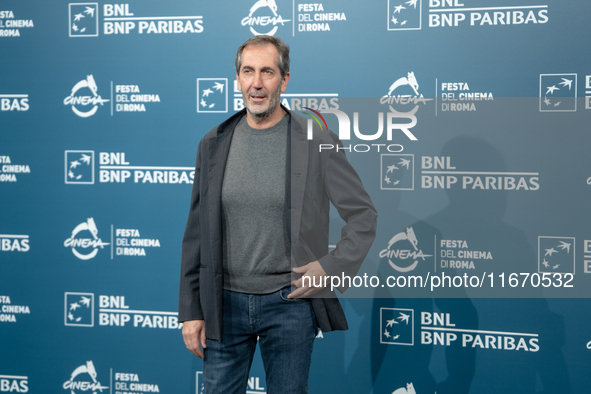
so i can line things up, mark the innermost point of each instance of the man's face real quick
(259, 79)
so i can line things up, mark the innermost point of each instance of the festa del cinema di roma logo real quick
(84, 379)
(79, 245)
(80, 99)
(262, 20)
(399, 254)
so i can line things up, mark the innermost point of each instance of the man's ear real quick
(284, 83)
(238, 83)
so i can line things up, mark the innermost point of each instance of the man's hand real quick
(311, 270)
(194, 335)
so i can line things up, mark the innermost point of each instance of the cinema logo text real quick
(10, 26)
(80, 242)
(264, 16)
(456, 254)
(84, 379)
(127, 383)
(80, 100)
(404, 92)
(129, 98)
(130, 243)
(457, 96)
(399, 253)
(313, 18)
(9, 312)
(9, 170)
(123, 98)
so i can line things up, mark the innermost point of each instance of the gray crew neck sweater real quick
(256, 253)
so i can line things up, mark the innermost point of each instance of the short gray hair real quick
(282, 48)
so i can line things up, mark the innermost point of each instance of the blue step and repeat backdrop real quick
(468, 121)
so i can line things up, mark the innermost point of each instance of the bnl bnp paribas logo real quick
(83, 19)
(84, 379)
(84, 98)
(212, 95)
(79, 309)
(84, 240)
(404, 15)
(558, 92)
(79, 167)
(264, 18)
(118, 19)
(439, 329)
(397, 326)
(556, 255)
(14, 383)
(407, 14)
(397, 171)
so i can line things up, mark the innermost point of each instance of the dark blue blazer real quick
(314, 180)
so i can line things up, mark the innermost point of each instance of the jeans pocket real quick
(283, 293)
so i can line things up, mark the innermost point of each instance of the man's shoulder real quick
(211, 133)
(225, 126)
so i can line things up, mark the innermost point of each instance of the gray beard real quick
(259, 115)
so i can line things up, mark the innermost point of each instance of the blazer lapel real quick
(299, 170)
(219, 149)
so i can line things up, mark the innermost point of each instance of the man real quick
(258, 221)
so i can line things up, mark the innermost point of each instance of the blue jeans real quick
(285, 329)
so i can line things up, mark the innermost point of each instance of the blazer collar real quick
(300, 152)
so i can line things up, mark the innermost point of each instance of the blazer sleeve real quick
(346, 192)
(189, 298)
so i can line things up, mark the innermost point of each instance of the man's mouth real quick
(258, 97)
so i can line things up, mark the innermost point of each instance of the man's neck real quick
(267, 122)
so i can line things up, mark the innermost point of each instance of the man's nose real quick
(258, 81)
